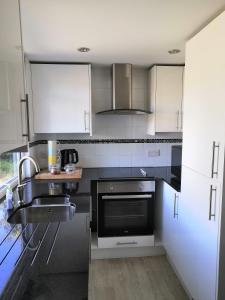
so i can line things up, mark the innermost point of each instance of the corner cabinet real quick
(61, 98)
(13, 122)
(165, 96)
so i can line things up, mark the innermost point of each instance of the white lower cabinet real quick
(190, 232)
(170, 221)
(199, 211)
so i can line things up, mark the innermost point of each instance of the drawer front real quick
(127, 241)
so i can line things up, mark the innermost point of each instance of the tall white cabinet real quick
(199, 231)
(203, 161)
(13, 114)
(61, 98)
(166, 95)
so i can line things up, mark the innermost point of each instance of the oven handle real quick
(127, 196)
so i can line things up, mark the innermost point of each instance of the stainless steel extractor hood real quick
(122, 92)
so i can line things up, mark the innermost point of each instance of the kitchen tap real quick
(20, 185)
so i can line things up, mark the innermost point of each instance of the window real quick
(8, 170)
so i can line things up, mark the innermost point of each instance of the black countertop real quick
(11, 239)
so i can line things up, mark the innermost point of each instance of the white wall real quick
(114, 155)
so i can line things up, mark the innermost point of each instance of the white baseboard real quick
(103, 253)
(126, 241)
(178, 276)
(121, 252)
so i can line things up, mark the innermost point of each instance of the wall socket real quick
(153, 153)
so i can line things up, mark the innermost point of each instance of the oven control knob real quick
(111, 187)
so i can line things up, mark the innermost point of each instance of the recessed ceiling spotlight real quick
(174, 51)
(84, 49)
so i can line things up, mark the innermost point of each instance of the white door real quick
(204, 100)
(170, 214)
(12, 111)
(169, 95)
(61, 98)
(199, 213)
(167, 215)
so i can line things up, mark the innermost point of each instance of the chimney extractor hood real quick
(122, 92)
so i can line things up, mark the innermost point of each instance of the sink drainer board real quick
(45, 175)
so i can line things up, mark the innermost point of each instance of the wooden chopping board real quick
(45, 175)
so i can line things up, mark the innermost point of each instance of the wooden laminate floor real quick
(141, 278)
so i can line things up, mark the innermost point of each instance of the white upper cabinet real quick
(13, 130)
(166, 94)
(61, 98)
(204, 100)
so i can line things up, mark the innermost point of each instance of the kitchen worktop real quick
(13, 237)
(12, 241)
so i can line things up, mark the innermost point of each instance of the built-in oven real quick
(125, 208)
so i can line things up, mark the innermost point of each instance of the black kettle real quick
(68, 156)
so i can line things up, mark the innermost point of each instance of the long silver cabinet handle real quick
(178, 116)
(181, 120)
(53, 244)
(144, 196)
(27, 117)
(175, 206)
(215, 173)
(126, 243)
(212, 214)
(86, 128)
(90, 246)
(87, 223)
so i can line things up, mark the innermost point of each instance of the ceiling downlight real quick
(174, 51)
(83, 49)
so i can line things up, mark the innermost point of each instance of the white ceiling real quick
(135, 31)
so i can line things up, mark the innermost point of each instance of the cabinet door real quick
(166, 95)
(61, 98)
(200, 201)
(204, 105)
(170, 201)
(70, 253)
(169, 93)
(12, 111)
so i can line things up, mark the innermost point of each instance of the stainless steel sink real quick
(43, 213)
(51, 200)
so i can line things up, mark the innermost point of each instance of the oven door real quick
(125, 215)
